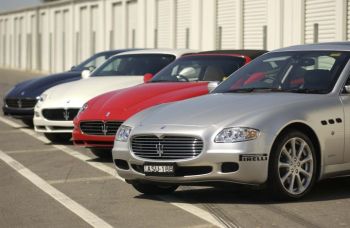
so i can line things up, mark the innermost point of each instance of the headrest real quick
(317, 79)
(213, 73)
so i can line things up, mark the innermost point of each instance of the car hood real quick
(35, 87)
(122, 104)
(224, 109)
(75, 94)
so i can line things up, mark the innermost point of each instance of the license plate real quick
(159, 169)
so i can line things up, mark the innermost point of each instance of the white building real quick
(54, 36)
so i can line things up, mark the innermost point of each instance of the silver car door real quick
(345, 97)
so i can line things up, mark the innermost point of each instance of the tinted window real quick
(309, 72)
(200, 68)
(138, 64)
(94, 61)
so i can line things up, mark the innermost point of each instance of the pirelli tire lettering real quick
(252, 157)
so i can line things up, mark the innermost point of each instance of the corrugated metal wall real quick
(163, 27)
(320, 17)
(254, 20)
(55, 37)
(226, 24)
(183, 23)
(131, 23)
(117, 25)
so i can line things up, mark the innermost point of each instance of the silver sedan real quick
(282, 120)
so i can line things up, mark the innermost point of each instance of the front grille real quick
(21, 103)
(167, 147)
(100, 127)
(60, 114)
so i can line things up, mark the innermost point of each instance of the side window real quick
(96, 62)
(325, 63)
(321, 63)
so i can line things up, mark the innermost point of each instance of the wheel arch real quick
(306, 129)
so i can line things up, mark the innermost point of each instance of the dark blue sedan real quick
(19, 102)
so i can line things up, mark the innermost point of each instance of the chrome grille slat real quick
(99, 128)
(172, 147)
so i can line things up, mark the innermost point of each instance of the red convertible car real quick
(192, 75)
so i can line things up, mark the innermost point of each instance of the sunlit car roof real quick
(331, 46)
(175, 52)
(251, 53)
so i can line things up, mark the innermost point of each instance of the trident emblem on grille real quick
(104, 128)
(160, 149)
(19, 103)
(66, 114)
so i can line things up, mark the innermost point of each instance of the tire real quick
(292, 174)
(102, 153)
(154, 189)
(58, 137)
(28, 122)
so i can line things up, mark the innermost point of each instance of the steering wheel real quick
(182, 78)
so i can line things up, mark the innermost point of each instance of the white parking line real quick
(30, 151)
(203, 214)
(67, 202)
(9, 132)
(84, 179)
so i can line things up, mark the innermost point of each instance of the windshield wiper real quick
(306, 90)
(251, 90)
(161, 81)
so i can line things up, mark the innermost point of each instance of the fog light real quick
(229, 167)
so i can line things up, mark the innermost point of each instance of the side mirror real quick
(72, 68)
(85, 74)
(91, 68)
(347, 88)
(212, 86)
(147, 77)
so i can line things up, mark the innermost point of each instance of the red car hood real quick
(121, 104)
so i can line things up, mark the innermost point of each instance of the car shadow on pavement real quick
(101, 160)
(327, 190)
(70, 143)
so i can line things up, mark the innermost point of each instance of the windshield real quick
(137, 64)
(299, 71)
(199, 68)
(94, 61)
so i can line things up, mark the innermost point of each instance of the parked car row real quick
(181, 117)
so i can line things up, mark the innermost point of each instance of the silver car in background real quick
(282, 120)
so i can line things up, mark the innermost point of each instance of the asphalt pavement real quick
(48, 185)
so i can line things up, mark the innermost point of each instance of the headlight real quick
(236, 134)
(42, 97)
(82, 109)
(123, 133)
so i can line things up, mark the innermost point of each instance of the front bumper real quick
(211, 166)
(18, 113)
(92, 141)
(51, 126)
(247, 162)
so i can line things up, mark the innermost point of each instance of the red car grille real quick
(100, 127)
